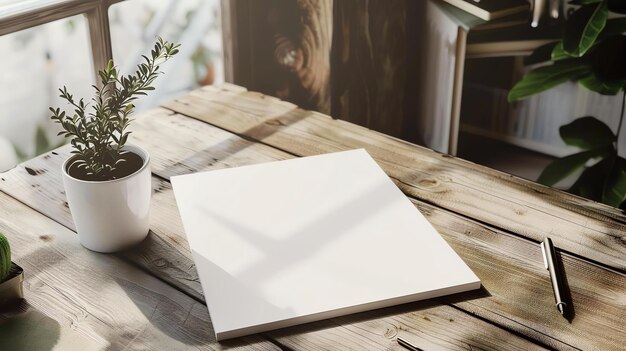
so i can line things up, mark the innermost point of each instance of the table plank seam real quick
(242, 136)
(282, 123)
(514, 234)
(280, 345)
(515, 332)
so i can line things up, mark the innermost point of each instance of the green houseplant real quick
(107, 180)
(593, 53)
(11, 275)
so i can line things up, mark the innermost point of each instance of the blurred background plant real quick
(593, 53)
(55, 54)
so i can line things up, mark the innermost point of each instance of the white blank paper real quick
(290, 242)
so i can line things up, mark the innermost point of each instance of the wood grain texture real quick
(370, 66)
(165, 252)
(282, 48)
(427, 325)
(105, 302)
(583, 227)
(25, 15)
(518, 261)
(100, 37)
(355, 60)
(521, 297)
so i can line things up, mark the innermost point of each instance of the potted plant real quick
(106, 180)
(593, 53)
(11, 275)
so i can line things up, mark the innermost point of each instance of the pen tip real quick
(561, 309)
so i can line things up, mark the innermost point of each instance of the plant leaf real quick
(593, 83)
(558, 53)
(544, 78)
(590, 184)
(587, 133)
(583, 27)
(563, 167)
(614, 192)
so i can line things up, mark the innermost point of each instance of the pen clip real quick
(545, 255)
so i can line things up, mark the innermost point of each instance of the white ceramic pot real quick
(111, 215)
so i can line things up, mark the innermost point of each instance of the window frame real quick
(30, 13)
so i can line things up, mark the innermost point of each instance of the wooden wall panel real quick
(369, 64)
(352, 59)
(281, 48)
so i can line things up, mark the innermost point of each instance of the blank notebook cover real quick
(295, 241)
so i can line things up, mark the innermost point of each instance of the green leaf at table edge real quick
(587, 133)
(544, 78)
(560, 168)
(592, 19)
(590, 184)
(614, 191)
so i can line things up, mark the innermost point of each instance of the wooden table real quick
(150, 296)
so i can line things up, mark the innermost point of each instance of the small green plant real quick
(5, 258)
(593, 53)
(98, 136)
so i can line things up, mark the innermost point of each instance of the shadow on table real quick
(24, 328)
(367, 316)
(192, 325)
(214, 156)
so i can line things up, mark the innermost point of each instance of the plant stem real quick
(621, 119)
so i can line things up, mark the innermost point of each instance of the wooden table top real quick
(150, 297)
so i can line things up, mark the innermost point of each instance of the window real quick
(48, 51)
(35, 62)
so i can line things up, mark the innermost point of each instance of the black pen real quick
(549, 259)
(407, 345)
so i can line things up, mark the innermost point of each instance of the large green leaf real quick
(558, 53)
(544, 78)
(583, 27)
(590, 184)
(614, 192)
(593, 83)
(587, 133)
(560, 168)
